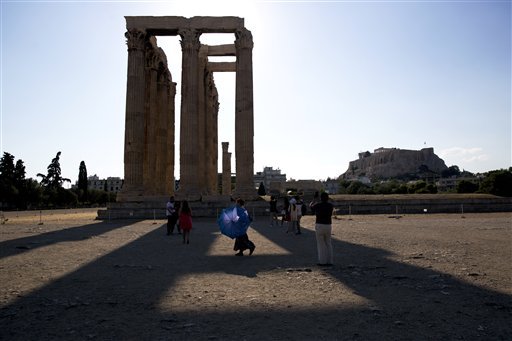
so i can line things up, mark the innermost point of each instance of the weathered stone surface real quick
(244, 116)
(222, 66)
(392, 162)
(226, 169)
(420, 203)
(154, 207)
(222, 50)
(393, 205)
(149, 167)
(169, 25)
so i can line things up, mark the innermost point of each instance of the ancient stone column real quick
(161, 130)
(226, 169)
(151, 122)
(202, 125)
(189, 153)
(134, 119)
(211, 107)
(244, 116)
(169, 173)
(214, 137)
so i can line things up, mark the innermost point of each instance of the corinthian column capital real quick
(189, 39)
(135, 39)
(243, 39)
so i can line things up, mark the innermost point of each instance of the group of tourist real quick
(180, 215)
(291, 213)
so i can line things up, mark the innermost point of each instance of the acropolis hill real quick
(385, 163)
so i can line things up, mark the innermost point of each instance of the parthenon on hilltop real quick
(150, 115)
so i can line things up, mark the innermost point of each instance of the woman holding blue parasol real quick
(234, 222)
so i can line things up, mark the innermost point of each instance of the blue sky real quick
(331, 79)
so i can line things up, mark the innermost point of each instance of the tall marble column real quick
(189, 154)
(226, 169)
(134, 119)
(244, 116)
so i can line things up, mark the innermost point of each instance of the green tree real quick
(12, 181)
(19, 173)
(421, 187)
(451, 171)
(417, 187)
(31, 195)
(53, 179)
(20, 183)
(357, 187)
(343, 186)
(8, 191)
(15, 190)
(82, 181)
(261, 189)
(387, 187)
(401, 189)
(7, 166)
(465, 186)
(497, 182)
(431, 188)
(54, 194)
(100, 197)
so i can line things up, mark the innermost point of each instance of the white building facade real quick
(111, 184)
(271, 178)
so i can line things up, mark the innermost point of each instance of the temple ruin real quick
(149, 149)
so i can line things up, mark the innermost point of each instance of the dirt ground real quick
(66, 276)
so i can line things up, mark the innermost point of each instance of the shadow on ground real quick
(78, 233)
(118, 296)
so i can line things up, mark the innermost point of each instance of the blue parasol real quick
(233, 222)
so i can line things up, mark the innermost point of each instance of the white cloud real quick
(464, 155)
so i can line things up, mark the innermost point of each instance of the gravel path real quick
(419, 277)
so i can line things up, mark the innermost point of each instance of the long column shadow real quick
(118, 296)
(77, 233)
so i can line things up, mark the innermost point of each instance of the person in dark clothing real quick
(285, 214)
(323, 227)
(172, 215)
(273, 210)
(243, 243)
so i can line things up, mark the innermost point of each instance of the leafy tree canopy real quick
(19, 172)
(465, 186)
(53, 179)
(451, 171)
(497, 182)
(7, 166)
